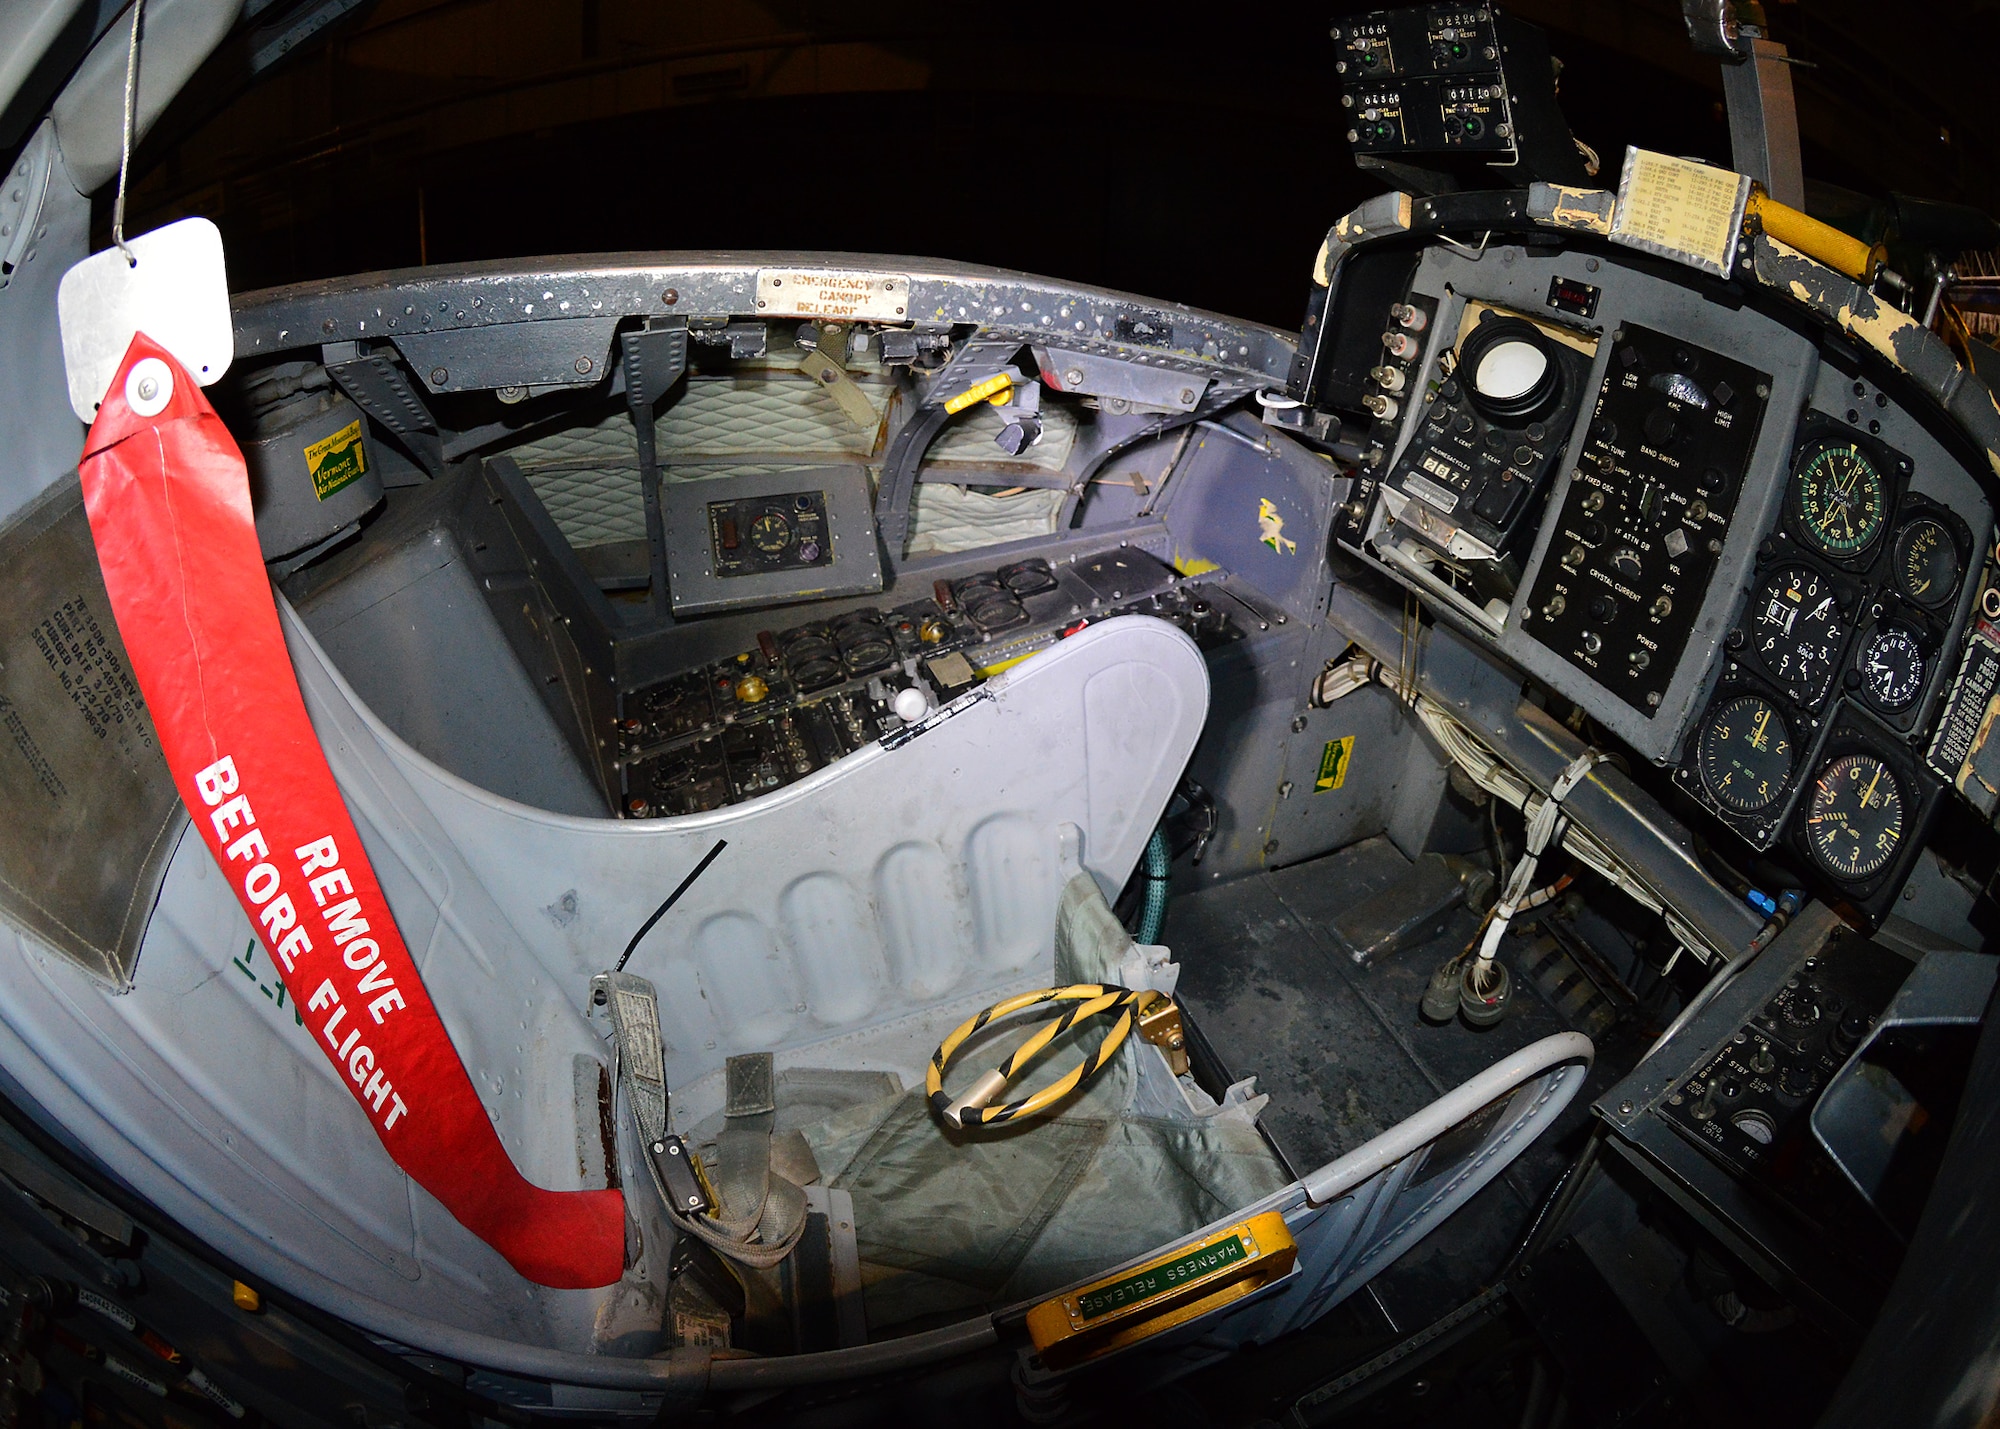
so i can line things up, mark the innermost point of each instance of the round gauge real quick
(1892, 667)
(1856, 817)
(770, 533)
(1798, 630)
(1926, 562)
(1838, 498)
(1746, 754)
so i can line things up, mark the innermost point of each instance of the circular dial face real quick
(1839, 499)
(1856, 818)
(1797, 630)
(1927, 561)
(770, 533)
(1746, 754)
(1892, 667)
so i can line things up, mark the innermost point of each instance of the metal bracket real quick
(377, 386)
(1764, 120)
(21, 200)
(655, 358)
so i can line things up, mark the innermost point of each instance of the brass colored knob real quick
(751, 689)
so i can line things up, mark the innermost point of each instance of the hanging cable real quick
(125, 136)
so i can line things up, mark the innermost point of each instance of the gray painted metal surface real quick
(40, 437)
(479, 295)
(90, 112)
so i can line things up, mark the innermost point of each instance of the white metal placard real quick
(172, 287)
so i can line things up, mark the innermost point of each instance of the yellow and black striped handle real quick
(1085, 999)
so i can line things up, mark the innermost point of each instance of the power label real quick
(336, 461)
(1333, 761)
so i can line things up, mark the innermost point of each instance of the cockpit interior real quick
(788, 836)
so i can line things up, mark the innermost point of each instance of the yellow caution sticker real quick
(336, 461)
(1271, 529)
(1193, 1279)
(1333, 761)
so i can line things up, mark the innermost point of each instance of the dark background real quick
(1192, 154)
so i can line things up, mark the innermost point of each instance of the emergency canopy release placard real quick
(833, 294)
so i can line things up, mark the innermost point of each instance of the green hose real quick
(1159, 875)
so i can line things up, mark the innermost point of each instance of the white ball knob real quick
(910, 705)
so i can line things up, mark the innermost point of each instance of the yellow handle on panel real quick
(1820, 242)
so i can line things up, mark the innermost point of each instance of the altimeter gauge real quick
(1797, 631)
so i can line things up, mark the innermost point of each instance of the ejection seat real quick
(854, 918)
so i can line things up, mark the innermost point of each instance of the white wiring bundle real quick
(1491, 773)
(1546, 823)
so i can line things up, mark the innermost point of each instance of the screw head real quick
(583, 366)
(326, 326)
(671, 296)
(1187, 395)
(1624, 1108)
(1073, 377)
(439, 376)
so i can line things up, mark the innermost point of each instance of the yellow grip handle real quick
(1818, 241)
(1185, 1283)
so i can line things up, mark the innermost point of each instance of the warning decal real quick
(337, 460)
(1333, 764)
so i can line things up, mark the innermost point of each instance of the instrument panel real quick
(1834, 660)
(802, 697)
(1744, 560)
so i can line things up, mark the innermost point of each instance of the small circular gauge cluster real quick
(1836, 656)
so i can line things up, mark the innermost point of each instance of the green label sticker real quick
(336, 461)
(1145, 1284)
(1333, 764)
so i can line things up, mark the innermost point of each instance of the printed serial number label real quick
(827, 293)
(1145, 1284)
